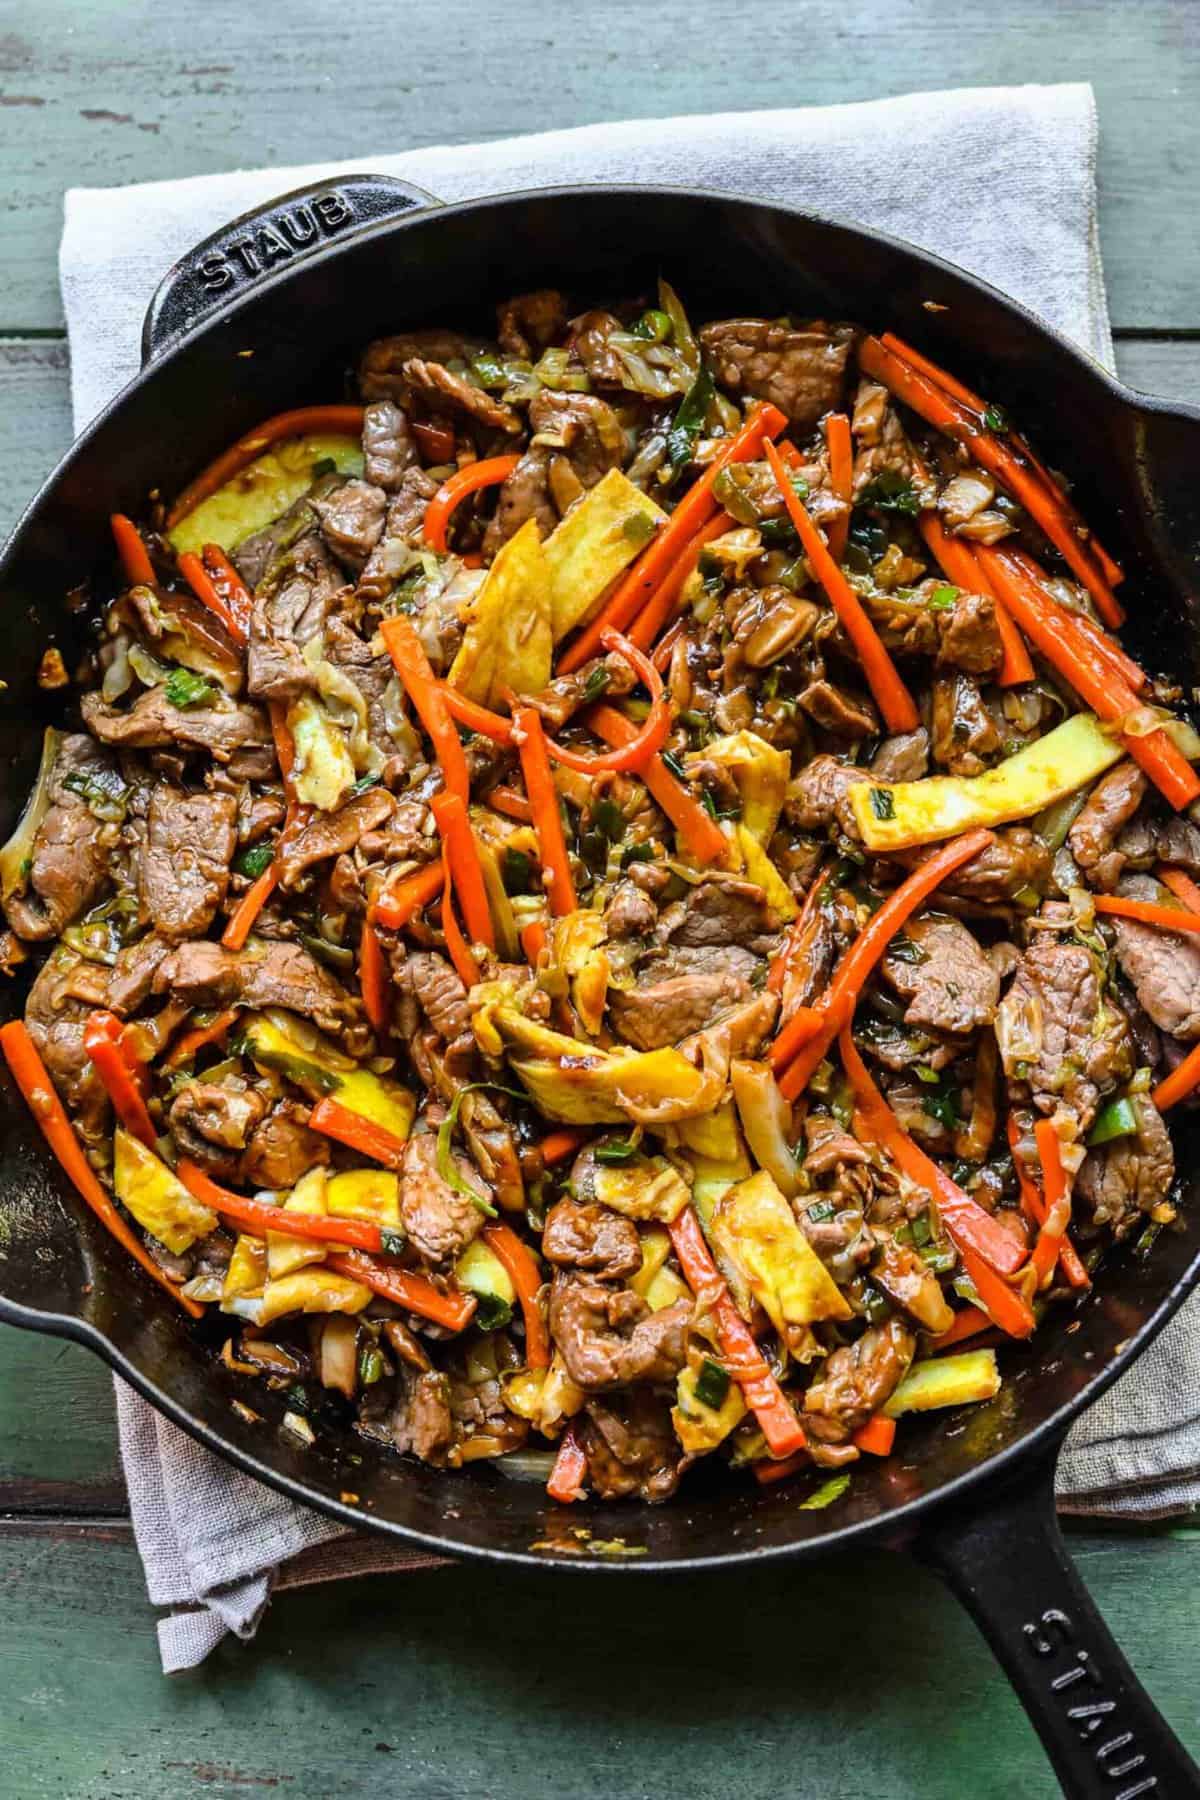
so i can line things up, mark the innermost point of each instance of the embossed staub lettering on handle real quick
(1089, 1709)
(275, 239)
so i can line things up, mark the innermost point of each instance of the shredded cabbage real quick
(16, 854)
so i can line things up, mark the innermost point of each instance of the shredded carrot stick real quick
(743, 1358)
(399, 903)
(1111, 570)
(656, 614)
(841, 478)
(457, 948)
(1034, 1208)
(526, 1277)
(768, 1473)
(231, 589)
(972, 1229)
(694, 510)
(259, 1216)
(699, 831)
(202, 585)
(414, 1293)
(102, 1033)
(488, 472)
(231, 462)
(958, 561)
(425, 691)
(544, 806)
(1181, 885)
(558, 1145)
(960, 422)
(661, 656)
(461, 854)
(968, 1323)
(135, 558)
(649, 737)
(1179, 1083)
(867, 949)
(891, 696)
(1007, 1308)
(508, 801)
(777, 973)
(877, 1436)
(476, 718)
(241, 920)
(37, 1089)
(1169, 918)
(1054, 1180)
(198, 1038)
(375, 979)
(1074, 655)
(570, 1469)
(333, 1120)
(801, 1028)
(533, 941)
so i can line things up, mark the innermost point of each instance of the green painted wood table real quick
(848, 1681)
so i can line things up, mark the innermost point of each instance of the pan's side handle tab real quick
(261, 242)
(1004, 1556)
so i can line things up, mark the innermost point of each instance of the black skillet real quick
(270, 314)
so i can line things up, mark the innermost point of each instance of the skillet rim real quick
(897, 1521)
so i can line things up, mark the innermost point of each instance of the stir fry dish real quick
(615, 900)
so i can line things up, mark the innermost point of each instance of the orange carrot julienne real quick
(205, 590)
(333, 1120)
(508, 801)
(462, 861)
(37, 1089)
(891, 696)
(526, 1277)
(488, 472)
(558, 1145)
(1179, 1083)
(768, 1473)
(570, 1469)
(699, 831)
(198, 1038)
(1181, 885)
(649, 737)
(241, 920)
(476, 718)
(743, 1358)
(425, 691)
(841, 478)
(533, 941)
(414, 1293)
(868, 947)
(958, 561)
(1034, 1208)
(778, 970)
(1169, 918)
(102, 1040)
(231, 462)
(969, 1321)
(960, 422)
(135, 558)
(803, 1025)
(375, 979)
(665, 646)
(1052, 1233)
(694, 510)
(972, 1228)
(402, 901)
(231, 589)
(661, 605)
(1007, 1308)
(544, 805)
(1112, 571)
(259, 1216)
(877, 1436)
(457, 948)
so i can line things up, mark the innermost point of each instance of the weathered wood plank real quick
(112, 91)
(58, 1450)
(462, 1682)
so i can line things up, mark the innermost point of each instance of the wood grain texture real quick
(846, 1681)
(101, 92)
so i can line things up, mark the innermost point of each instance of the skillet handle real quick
(1004, 1557)
(276, 235)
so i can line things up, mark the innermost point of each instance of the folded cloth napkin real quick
(999, 180)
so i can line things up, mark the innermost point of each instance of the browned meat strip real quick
(334, 834)
(351, 519)
(880, 445)
(856, 1380)
(801, 371)
(55, 1021)
(184, 871)
(845, 715)
(69, 862)
(440, 995)
(962, 730)
(1060, 1032)
(668, 1007)
(524, 495)
(439, 1221)
(132, 979)
(283, 1148)
(212, 1124)
(395, 553)
(592, 1237)
(949, 984)
(388, 447)
(902, 758)
(1163, 966)
(721, 910)
(421, 1423)
(440, 385)
(528, 323)
(381, 371)
(969, 638)
(911, 1283)
(590, 344)
(152, 722)
(818, 796)
(290, 609)
(582, 425)
(609, 1338)
(1173, 840)
(265, 973)
(1016, 859)
(631, 1448)
(1110, 806)
(630, 913)
(829, 1148)
(1124, 1180)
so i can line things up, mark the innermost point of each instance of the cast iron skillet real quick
(270, 314)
